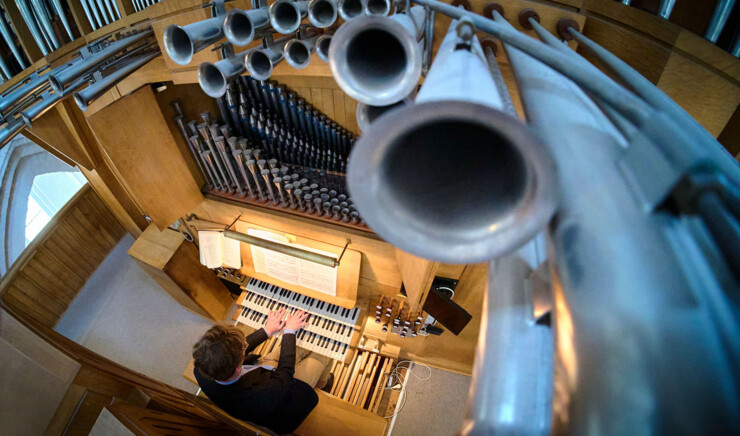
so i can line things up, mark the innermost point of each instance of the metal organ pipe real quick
(8, 37)
(31, 23)
(377, 7)
(60, 11)
(351, 9)
(91, 93)
(260, 62)
(59, 80)
(501, 188)
(182, 42)
(322, 47)
(286, 15)
(43, 20)
(600, 245)
(379, 61)
(298, 51)
(322, 13)
(240, 26)
(214, 77)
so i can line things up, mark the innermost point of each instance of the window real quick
(35, 185)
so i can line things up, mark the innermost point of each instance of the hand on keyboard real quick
(297, 321)
(275, 321)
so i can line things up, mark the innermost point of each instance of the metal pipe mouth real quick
(297, 54)
(259, 65)
(285, 16)
(81, 102)
(455, 182)
(238, 28)
(56, 85)
(212, 80)
(379, 61)
(322, 13)
(178, 44)
(377, 7)
(322, 47)
(349, 9)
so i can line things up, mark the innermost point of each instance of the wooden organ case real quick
(365, 348)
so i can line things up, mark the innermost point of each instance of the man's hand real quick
(275, 321)
(297, 321)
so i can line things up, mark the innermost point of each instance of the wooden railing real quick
(50, 272)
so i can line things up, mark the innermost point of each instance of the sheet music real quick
(291, 269)
(232, 253)
(211, 248)
(258, 254)
(318, 277)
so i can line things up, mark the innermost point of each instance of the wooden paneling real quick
(645, 55)
(174, 264)
(147, 422)
(705, 95)
(54, 267)
(417, 275)
(135, 136)
(642, 22)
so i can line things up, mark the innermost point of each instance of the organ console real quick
(330, 328)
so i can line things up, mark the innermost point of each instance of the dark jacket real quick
(273, 399)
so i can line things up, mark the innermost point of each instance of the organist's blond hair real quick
(218, 353)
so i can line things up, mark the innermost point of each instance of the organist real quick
(276, 390)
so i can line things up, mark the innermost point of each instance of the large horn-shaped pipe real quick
(286, 15)
(88, 95)
(261, 61)
(322, 13)
(12, 98)
(322, 47)
(298, 52)
(241, 26)
(214, 77)
(377, 7)
(379, 59)
(458, 181)
(60, 80)
(351, 9)
(182, 42)
(31, 23)
(8, 37)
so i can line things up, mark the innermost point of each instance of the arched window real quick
(34, 186)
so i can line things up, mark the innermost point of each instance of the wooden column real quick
(417, 275)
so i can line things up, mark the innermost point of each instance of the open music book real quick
(291, 269)
(216, 250)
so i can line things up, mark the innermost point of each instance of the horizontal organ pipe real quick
(651, 313)
(182, 42)
(378, 61)
(88, 95)
(60, 80)
(509, 188)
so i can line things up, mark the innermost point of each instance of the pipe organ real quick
(489, 162)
